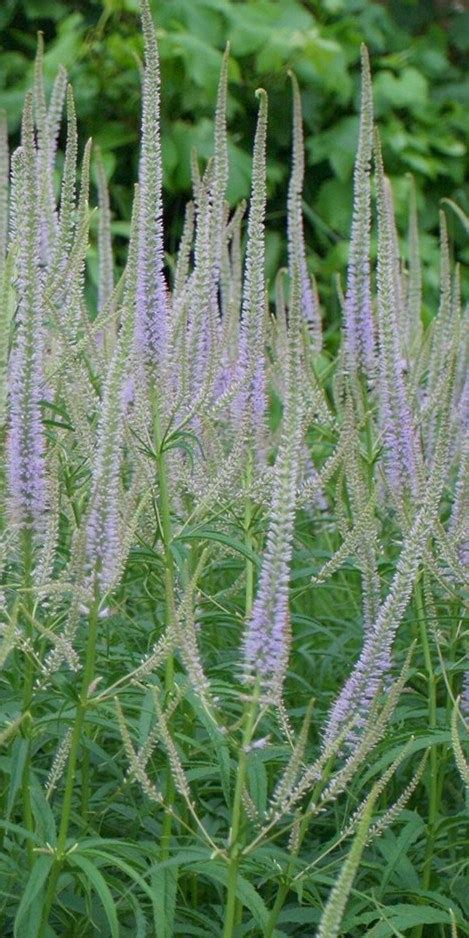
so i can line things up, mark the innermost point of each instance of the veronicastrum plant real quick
(204, 515)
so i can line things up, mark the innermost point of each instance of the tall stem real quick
(249, 543)
(237, 815)
(169, 577)
(433, 760)
(88, 675)
(27, 693)
(249, 599)
(284, 888)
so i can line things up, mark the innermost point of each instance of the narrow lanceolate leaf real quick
(266, 641)
(106, 273)
(358, 310)
(252, 400)
(26, 437)
(151, 288)
(104, 545)
(296, 243)
(401, 450)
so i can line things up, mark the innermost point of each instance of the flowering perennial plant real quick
(232, 565)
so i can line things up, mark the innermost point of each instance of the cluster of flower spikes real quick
(196, 360)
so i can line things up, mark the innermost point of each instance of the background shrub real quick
(421, 100)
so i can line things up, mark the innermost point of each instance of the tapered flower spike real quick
(233, 292)
(251, 404)
(441, 327)
(202, 322)
(54, 113)
(104, 546)
(401, 447)
(151, 321)
(220, 178)
(296, 244)
(7, 297)
(359, 329)
(184, 251)
(106, 272)
(64, 238)
(414, 285)
(26, 442)
(6, 268)
(266, 641)
(459, 518)
(47, 209)
(3, 188)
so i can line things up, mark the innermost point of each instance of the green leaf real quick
(219, 743)
(206, 534)
(101, 888)
(164, 884)
(26, 924)
(43, 815)
(245, 891)
(257, 779)
(18, 760)
(409, 90)
(402, 917)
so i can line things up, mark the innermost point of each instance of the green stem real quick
(237, 817)
(167, 535)
(433, 759)
(285, 886)
(249, 544)
(249, 599)
(88, 675)
(27, 695)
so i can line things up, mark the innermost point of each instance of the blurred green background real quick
(419, 50)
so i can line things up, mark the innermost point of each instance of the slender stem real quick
(433, 760)
(303, 827)
(249, 544)
(167, 535)
(88, 675)
(27, 695)
(237, 816)
(249, 598)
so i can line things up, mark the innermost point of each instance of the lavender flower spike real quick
(266, 641)
(401, 450)
(26, 472)
(252, 333)
(296, 244)
(151, 287)
(104, 540)
(358, 312)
